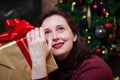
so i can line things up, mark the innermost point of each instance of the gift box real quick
(15, 61)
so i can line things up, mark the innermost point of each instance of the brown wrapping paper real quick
(14, 66)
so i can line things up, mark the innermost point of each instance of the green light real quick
(86, 30)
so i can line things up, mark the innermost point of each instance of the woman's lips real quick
(58, 45)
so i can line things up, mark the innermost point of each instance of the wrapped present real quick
(15, 61)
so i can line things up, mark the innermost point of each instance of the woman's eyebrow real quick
(60, 25)
(46, 29)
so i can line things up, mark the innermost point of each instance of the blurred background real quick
(23, 9)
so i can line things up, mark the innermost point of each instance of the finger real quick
(28, 37)
(37, 35)
(50, 44)
(32, 34)
(42, 34)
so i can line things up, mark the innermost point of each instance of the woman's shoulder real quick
(94, 61)
(94, 68)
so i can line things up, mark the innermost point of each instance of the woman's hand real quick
(39, 49)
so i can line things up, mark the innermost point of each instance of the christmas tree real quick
(100, 23)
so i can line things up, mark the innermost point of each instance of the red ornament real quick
(95, 6)
(108, 26)
(98, 51)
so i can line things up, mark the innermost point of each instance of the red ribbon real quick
(16, 29)
(24, 50)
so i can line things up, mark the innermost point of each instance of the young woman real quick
(60, 35)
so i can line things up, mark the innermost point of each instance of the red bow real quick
(16, 29)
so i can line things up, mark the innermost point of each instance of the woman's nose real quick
(55, 37)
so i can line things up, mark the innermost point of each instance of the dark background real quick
(22, 9)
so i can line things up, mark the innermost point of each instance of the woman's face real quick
(57, 30)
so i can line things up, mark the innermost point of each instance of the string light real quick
(89, 37)
(103, 52)
(73, 6)
(88, 41)
(84, 17)
(111, 48)
(86, 30)
(107, 14)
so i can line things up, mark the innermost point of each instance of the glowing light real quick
(84, 16)
(107, 14)
(88, 41)
(89, 37)
(86, 30)
(111, 49)
(73, 6)
(103, 52)
(73, 3)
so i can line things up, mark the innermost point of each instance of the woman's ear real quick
(75, 37)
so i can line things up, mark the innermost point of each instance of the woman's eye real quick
(61, 28)
(47, 32)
